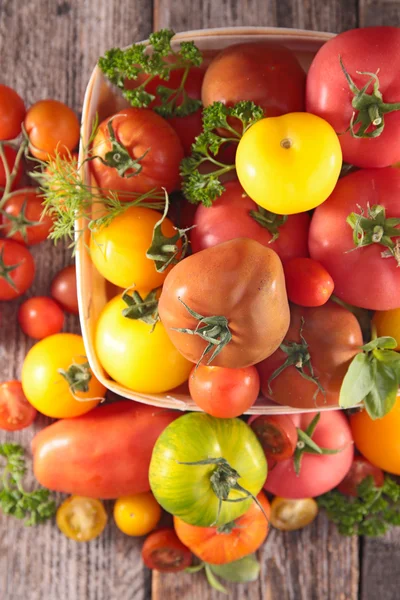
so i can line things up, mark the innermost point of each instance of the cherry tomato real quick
(17, 269)
(12, 113)
(52, 127)
(63, 289)
(288, 514)
(163, 551)
(81, 519)
(23, 220)
(277, 435)
(308, 283)
(359, 470)
(223, 392)
(138, 514)
(10, 155)
(40, 317)
(15, 410)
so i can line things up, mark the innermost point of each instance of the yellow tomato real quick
(137, 515)
(135, 356)
(81, 519)
(289, 164)
(387, 322)
(289, 515)
(119, 250)
(379, 440)
(54, 372)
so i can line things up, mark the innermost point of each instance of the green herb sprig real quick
(32, 507)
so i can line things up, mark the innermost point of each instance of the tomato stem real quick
(10, 176)
(375, 228)
(119, 158)
(77, 376)
(145, 310)
(307, 445)
(269, 220)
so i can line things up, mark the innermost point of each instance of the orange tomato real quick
(51, 126)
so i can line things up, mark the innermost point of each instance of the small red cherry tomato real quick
(40, 317)
(163, 551)
(17, 269)
(12, 113)
(63, 289)
(359, 470)
(23, 220)
(15, 410)
(277, 435)
(308, 283)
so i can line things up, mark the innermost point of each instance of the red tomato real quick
(40, 317)
(359, 470)
(23, 220)
(163, 551)
(138, 131)
(102, 454)
(52, 127)
(17, 270)
(222, 392)
(230, 217)
(63, 289)
(277, 435)
(362, 276)
(15, 410)
(363, 52)
(10, 154)
(12, 113)
(318, 473)
(264, 72)
(308, 283)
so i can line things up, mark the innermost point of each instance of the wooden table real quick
(48, 49)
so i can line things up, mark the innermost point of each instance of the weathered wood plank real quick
(384, 12)
(48, 49)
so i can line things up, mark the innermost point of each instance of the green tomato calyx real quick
(19, 222)
(5, 270)
(367, 120)
(77, 376)
(306, 444)
(269, 220)
(119, 158)
(142, 309)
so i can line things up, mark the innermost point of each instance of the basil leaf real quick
(382, 396)
(239, 571)
(385, 342)
(213, 581)
(389, 357)
(357, 382)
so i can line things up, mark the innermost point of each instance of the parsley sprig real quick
(222, 125)
(33, 507)
(120, 66)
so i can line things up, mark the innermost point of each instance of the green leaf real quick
(357, 382)
(382, 396)
(213, 581)
(382, 343)
(239, 571)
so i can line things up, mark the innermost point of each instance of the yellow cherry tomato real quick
(288, 514)
(81, 519)
(289, 164)
(55, 375)
(387, 322)
(137, 515)
(379, 440)
(137, 356)
(118, 251)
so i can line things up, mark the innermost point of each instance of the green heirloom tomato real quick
(207, 470)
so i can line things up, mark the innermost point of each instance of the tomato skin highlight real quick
(40, 317)
(374, 50)
(212, 546)
(229, 218)
(10, 154)
(12, 113)
(30, 203)
(360, 469)
(164, 552)
(224, 393)
(22, 275)
(81, 519)
(308, 283)
(138, 514)
(15, 411)
(277, 435)
(318, 473)
(63, 289)
(102, 454)
(375, 281)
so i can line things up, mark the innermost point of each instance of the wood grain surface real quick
(47, 49)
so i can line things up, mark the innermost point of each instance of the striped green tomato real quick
(206, 470)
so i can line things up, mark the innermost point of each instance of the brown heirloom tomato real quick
(236, 289)
(146, 152)
(330, 336)
(264, 72)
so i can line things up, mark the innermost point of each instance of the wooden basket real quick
(93, 290)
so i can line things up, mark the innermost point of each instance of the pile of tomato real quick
(249, 221)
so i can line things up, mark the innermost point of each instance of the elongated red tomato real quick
(235, 215)
(363, 53)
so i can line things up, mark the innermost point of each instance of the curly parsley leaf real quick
(222, 126)
(33, 507)
(121, 66)
(371, 513)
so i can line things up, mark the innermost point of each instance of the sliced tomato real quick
(359, 470)
(15, 410)
(81, 519)
(163, 551)
(289, 515)
(277, 435)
